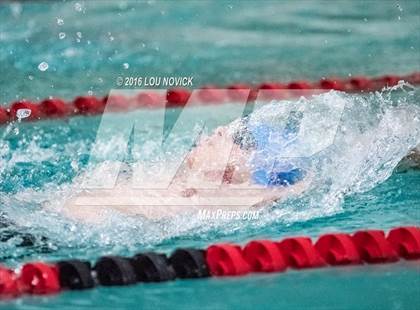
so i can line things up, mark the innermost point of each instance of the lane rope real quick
(218, 260)
(53, 108)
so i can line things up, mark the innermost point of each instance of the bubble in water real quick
(43, 66)
(61, 35)
(126, 66)
(30, 77)
(90, 93)
(79, 36)
(60, 21)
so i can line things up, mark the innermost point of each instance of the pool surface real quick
(88, 45)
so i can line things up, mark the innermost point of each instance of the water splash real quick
(376, 131)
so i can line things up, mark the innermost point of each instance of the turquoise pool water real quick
(216, 43)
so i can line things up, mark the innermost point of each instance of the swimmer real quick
(252, 177)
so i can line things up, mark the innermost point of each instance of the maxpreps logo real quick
(197, 177)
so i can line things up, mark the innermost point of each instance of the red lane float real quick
(386, 80)
(211, 94)
(116, 103)
(89, 105)
(272, 86)
(300, 85)
(338, 249)
(272, 91)
(370, 246)
(25, 105)
(4, 116)
(332, 83)
(55, 107)
(149, 100)
(373, 247)
(39, 278)
(299, 253)
(8, 284)
(226, 260)
(178, 97)
(359, 83)
(264, 256)
(239, 91)
(405, 241)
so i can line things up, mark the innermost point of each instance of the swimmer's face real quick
(216, 154)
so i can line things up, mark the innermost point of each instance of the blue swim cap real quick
(282, 178)
(269, 167)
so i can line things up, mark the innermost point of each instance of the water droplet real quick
(23, 113)
(111, 38)
(43, 66)
(74, 165)
(79, 34)
(30, 77)
(61, 35)
(60, 21)
(78, 7)
(126, 66)
(90, 93)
